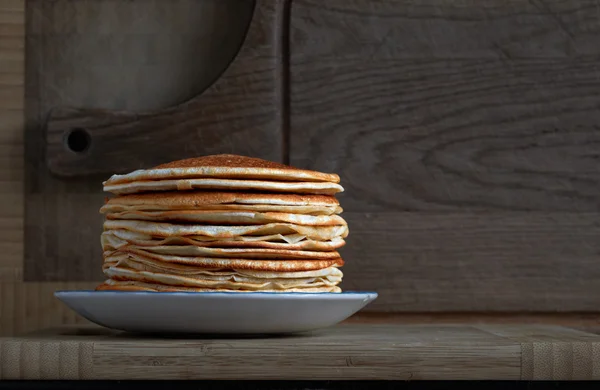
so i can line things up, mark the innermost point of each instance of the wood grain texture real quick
(411, 123)
(381, 352)
(587, 322)
(447, 135)
(12, 73)
(474, 261)
(458, 29)
(239, 113)
(26, 307)
(138, 55)
(69, 360)
(467, 138)
(344, 352)
(575, 355)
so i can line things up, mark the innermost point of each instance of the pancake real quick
(114, 239)
(225, 166)
(127, 274)
(114, 285)
(146, 264)
(157, 229)
(236, 253)
(133, 187)
(225, 263)
(308, 210)
(176, 200)
(185, 276)
(229, 217)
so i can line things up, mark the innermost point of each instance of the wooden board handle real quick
(236, 109)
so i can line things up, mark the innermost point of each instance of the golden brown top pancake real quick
(224, 160)
(224, 166)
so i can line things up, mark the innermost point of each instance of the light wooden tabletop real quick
(348, 351)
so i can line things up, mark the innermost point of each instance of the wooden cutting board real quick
(465, 133)
(349, 352)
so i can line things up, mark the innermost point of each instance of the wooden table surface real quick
(351, 351)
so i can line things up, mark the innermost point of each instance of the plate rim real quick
(209, 293)
(369, 296)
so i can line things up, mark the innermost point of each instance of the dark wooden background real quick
(466, 133)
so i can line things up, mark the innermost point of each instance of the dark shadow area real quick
(133, 55)
(217, 336)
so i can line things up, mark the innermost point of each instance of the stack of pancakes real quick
(223, 223)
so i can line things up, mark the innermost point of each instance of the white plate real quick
(233, 313)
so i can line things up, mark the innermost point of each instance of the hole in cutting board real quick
(133, 55)
(78, 140)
